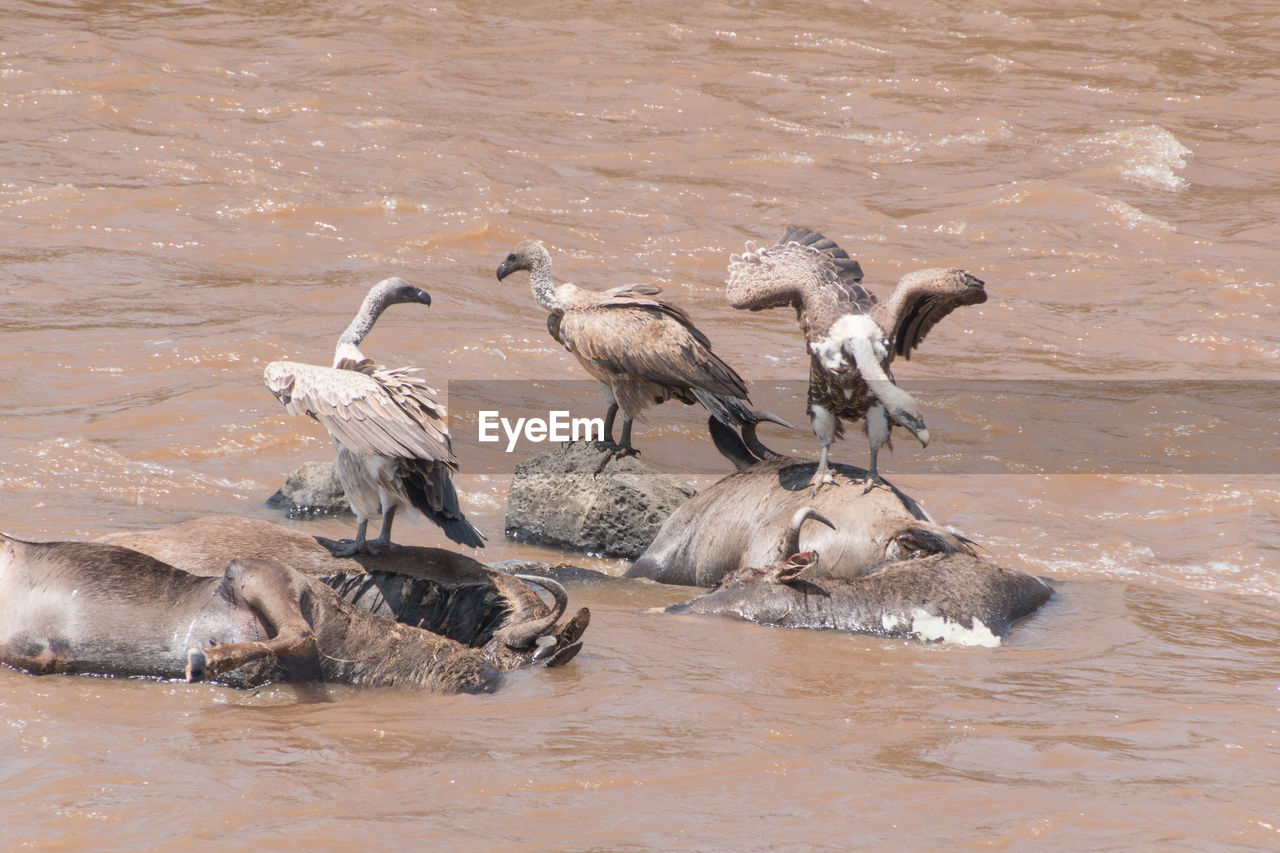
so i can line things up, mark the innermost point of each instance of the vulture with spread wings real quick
(391, 435)
(851, 337)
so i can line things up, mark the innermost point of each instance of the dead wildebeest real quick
(733, 523)
(442, 591)
(78, 607)
(882, 566)
(946, 596)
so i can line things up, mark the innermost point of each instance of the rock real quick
(311, 490)
(557, 499)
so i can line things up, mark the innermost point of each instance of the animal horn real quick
(522, 634)
(791, 541)
(750, 439)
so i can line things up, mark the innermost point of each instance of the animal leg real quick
(877, 435)
(275, 594)
(383, 542)
(623, 448)
(347, 547)
(824, 427)
(610, 415)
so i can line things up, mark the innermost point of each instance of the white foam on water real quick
(1148, 155)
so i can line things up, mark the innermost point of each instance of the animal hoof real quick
(564, 655)
(574, 628)
(197, 663)
(546, 647)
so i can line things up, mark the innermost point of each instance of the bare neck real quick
(348, 349)
(541, 283)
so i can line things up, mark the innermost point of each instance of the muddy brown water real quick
(188, 191)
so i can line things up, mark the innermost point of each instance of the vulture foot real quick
(821, 477)
(344, 547)
(873, 480)
(612, 452)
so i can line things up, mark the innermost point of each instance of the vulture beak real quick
(424, 297)
(914, 425)
(504, 270)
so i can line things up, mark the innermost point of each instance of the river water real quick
(191, 190)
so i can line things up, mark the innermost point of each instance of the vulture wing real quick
(650, 340)
(920, 300)
(373, 411)
(803, 267)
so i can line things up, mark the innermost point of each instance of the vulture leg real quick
(348, 547)
(625, 445)
(878, 435)
(824, 427)
(621, 449)
(383, 542)
(609, 416)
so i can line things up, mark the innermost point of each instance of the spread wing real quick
(647, 339)
(801, 269)
(920, 300)
(372, 411)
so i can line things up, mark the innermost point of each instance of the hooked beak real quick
(424, 297)
(504, 270)
(923, 436)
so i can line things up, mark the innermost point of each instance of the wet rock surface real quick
(558, 499)
(311, 490)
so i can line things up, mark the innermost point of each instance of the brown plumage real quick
(391, 434)
(851, 337)
(641, 349)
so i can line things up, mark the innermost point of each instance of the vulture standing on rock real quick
(642, 350)
(391, 434)
(851, 338)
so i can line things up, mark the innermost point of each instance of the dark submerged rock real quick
(558, 499)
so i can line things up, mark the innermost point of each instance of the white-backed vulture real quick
(642, 350)
(391, 434)
(851, 337)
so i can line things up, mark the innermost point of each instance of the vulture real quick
(851, 337)
(641, 350)
(391, 435)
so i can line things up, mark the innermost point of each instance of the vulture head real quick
(525, 256)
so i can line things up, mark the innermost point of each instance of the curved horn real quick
(730, 445)
(760, 416)
(520, 635)
(791, 540)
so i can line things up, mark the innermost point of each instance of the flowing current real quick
(191, 190)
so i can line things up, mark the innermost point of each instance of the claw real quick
(342, 547)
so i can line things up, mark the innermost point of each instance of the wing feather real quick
(802, 268)
(656, 343)
(921, 300)
(384, 412)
